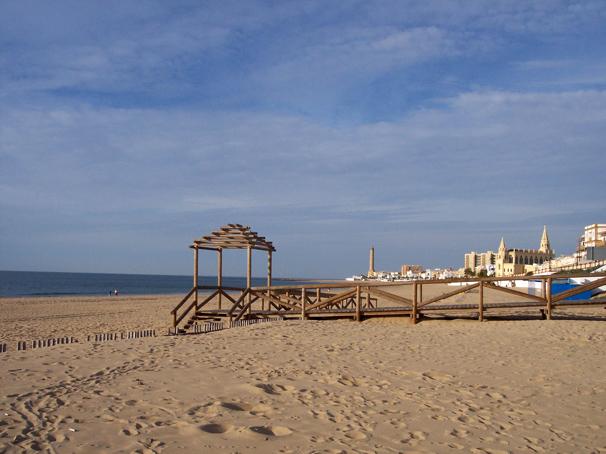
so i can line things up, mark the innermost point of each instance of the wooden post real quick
(358, 305)
(303, 296)
(220, 273)
(548, 298)
(196, 276)
(318, 294)
(481, 303)
(420, 293)
(269, 265)
(248, 274)
(414, 303)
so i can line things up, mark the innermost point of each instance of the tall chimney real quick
(371, 264)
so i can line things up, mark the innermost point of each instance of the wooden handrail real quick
(353, 284)
(182, 302)
(390, 296)
(182, 316)
(222, 287)
(515, 292)
(274, 300)
(332, 300)
(443, 296)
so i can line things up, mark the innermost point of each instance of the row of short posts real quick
(104, 337)
(210, 327)
(207, 327)
(41, 343)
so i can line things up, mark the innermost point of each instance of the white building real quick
(594, 236)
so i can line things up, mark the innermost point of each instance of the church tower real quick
(545, 246)
(502, 249)
(501, 259)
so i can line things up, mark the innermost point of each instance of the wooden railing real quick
(178, 318)
(360, 299)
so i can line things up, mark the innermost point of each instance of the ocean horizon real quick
(56, 283)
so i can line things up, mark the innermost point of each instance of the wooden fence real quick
(364, 299)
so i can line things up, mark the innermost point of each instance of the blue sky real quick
(426, 129)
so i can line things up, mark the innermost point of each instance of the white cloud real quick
(235, 160)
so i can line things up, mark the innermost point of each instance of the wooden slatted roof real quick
(234, 236)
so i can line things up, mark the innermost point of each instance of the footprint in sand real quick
(271, 431)
(235, 406)
(356, 435)
(412, 438)
(255, 410)
(496, 396)
(436, 376)
(459, 433)
(214, 428)
(268, 388)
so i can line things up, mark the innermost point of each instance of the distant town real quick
(589, 253)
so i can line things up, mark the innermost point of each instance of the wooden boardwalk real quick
(355, 300)
(365, 299)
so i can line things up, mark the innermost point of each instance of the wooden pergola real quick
(232, 236)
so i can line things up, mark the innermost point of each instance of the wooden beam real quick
(182, 302)
(332, 300)
(514, 292)
(389, 296)
(274, 300)
(481, 303)
(269, 265)
(358, 305)
(414, 304)
(549, 299)
(196, 276)
(249, 271)
(238, 302)
(245, 308)
(208, 298)
(303, 304)
(220, 273)
(194, 246)
(227, 295)
(463, 289)
(292, 299)
(369, 300)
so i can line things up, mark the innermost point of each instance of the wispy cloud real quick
(339, 123)
(489, 155)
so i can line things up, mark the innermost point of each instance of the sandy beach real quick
(299, 386)
(29, 318)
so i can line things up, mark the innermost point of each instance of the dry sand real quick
(300, 386)
(29, 318)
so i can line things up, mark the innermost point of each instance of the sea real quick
(38, 283)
